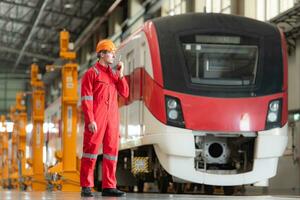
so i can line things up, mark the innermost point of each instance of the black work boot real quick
(112, 192)
(86, 192)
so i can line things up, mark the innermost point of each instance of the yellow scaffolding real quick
(13, 170)
(5, 158)
(65, 173)
(21, 128)
(1, 153)
(38, 108)
(69, 132)
(70, 175)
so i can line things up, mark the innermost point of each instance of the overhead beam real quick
(36, 19)
(46, 10)
(94, 26)
(5, 67)
(11, 61)
(29, 24)
(54, 29)
(21, 36)
(14, 76)
(29, 54)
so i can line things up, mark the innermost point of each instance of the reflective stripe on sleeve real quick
(89, 155)
(89, 98)
(109, 157)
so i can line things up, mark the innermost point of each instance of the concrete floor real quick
(16, 195)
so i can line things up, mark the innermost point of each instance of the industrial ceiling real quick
(29, 29)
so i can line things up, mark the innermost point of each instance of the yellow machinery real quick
(69, 99)
(64, 47)
(5, 159)
(13, 170)
(28, 174)
(38, 107)
(20, 123)
(55, 173)
(1, 153)
(67, 169)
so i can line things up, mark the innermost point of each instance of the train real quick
(207, 103)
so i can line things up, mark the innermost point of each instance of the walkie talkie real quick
(117, 66)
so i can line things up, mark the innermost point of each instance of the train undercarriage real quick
(139, 169)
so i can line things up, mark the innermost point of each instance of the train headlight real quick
(274, 114)
(272, 117)
(174, 112)
(274, 106)
(172, 104)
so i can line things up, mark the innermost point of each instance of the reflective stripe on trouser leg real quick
(89, 155)
(91, 144)
(109, 173)
(87, 172)
(110, 155)
(109, 166)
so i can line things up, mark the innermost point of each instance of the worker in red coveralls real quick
(99, 91)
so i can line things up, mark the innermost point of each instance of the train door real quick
(123, 109)
(133, 108)
(143, 57)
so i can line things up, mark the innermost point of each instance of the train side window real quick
(130, 65)
(143, 55)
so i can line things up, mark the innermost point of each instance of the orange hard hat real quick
(106, 44)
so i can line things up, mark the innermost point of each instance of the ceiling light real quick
(68, 5)
(43, 46)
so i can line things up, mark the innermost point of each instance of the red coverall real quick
(99, 92)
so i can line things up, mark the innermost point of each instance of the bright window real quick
(286, 4)
(218, 6)
(177, 7)
(268, 9)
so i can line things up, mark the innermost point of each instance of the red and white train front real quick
(209, 91)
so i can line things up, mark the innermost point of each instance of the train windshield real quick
(221, 64)
(220, 55)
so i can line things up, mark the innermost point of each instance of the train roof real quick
(211, 22)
